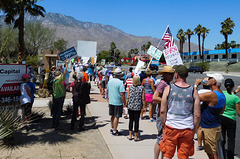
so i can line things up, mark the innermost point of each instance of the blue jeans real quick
(57, 111)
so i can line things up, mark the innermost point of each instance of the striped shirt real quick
(128, 83)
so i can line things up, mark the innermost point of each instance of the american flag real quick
(167, 37)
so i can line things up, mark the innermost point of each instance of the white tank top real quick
(24, 96)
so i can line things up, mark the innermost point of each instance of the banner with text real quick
(68, 54)
(10, 81)
(154, 52)
(172, 56)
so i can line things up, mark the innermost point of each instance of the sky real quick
(151, 17)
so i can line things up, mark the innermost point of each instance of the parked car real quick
(196, 69)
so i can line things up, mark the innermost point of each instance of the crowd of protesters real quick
(178, 109)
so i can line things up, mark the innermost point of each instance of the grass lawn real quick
(218, 66)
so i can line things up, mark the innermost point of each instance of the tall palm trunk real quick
(21, 36)
(203, 49)
(189, 48)
(226, 47)
(199, 46)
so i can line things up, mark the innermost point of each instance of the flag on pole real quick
(167, 37)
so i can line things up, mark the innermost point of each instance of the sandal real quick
(129, 138)
(137, 139)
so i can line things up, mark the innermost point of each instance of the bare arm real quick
(28, 92)
(143, 98)
(152, 85)
(156, 97)
(123, 98)
(65, 70)
(164, 105)
(197, 110)
(127, 97)
(238, 108)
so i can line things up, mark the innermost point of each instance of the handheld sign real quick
(154, 52)
(10, 81)
(172, 56)
(68, 54)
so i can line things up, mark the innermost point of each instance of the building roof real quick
(214, 52)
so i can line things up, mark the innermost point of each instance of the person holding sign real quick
(59, 96)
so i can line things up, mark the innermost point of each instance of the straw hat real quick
(57, 75)
(136, 80)
(166, 69)
(117, 71)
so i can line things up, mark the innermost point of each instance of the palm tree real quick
(227, 29)
(112, 50)
(18, 8)
(143, 48)
(198, 31)
(204, 31)
(189, 33)
(181, 36)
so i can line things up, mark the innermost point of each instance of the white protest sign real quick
(172, 56)
(139, 65)
(154, 52)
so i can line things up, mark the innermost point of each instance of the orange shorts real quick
(180, 138)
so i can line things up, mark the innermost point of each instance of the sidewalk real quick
(120, 147)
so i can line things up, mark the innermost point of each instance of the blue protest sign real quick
(68, 54)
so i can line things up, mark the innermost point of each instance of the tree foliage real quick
(14, 11)
(60, 45)
(204, 32)
(38, 38)
(227, 29)
(198, 31)
(189, 33)
(181, 36)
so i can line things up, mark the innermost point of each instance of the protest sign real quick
(10, 81)
(68, 54)
(172, 56)
(139, 65)
(154, 52)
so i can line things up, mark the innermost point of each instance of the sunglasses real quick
(210, 78)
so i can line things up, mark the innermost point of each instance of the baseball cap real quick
(25, 76)
(229, 82)
(217, 76)
(181, 70)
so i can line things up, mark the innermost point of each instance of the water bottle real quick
(204, 81)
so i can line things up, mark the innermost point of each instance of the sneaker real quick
(111, 131)
(200, 148)
(116, 133)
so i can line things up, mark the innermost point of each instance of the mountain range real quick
(72, 30)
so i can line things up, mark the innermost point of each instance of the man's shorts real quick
(181, 138)
(115, 110)
(211, 137)
(103, 84)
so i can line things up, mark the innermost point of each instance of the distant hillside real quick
(72, 30)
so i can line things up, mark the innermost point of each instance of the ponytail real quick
(229, 89)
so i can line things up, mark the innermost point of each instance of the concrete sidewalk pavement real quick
(119, 146)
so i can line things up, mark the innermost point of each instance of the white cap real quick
(217, 76)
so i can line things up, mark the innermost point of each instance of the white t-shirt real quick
(24, 96)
